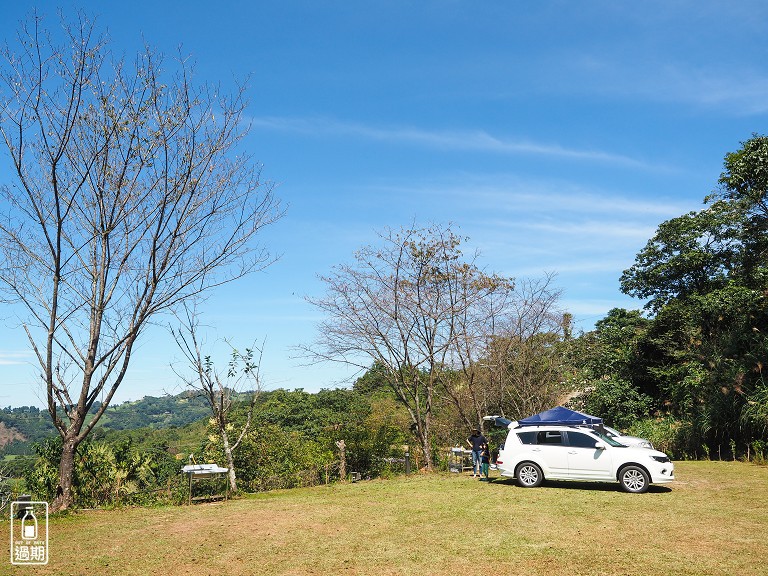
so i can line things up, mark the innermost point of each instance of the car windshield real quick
(608, 440)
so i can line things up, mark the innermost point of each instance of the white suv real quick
(533, 453)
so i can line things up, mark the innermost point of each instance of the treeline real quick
(296, 436)
(154, 412)
(30, 422)
(293, 443)
(689, 371)
(150, 412)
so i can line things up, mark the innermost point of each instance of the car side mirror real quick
(600, 445)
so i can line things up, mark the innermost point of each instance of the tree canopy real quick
(726, 243)
(439, 330)
(706, 277)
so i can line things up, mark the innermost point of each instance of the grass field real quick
(712, 520)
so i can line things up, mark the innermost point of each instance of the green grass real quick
(712, 520)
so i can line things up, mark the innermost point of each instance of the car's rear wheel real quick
(634, 479)
(529, 475)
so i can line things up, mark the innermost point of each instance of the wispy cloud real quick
(470, 140)
(594, 229)
(14, 358)
(738, 92)
(735, 90)
(540, 197)
(500, 194)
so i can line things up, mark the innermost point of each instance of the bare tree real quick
(129, 198)
(522, 359)
(241, 385)
(504, 357)
(466, 384)
(399, 306)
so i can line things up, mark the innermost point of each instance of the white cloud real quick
(736, 90)
(471, 140)
(14, 358)
(504, 194)
(595, 229)
(739, 92)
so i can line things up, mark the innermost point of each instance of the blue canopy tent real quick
(560, 416)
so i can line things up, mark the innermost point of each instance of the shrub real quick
(670, 435)
(105, 474)
(617, 402)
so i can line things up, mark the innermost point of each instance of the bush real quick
(758, 452)
(617, 402)
(271, 458)
(105, 474)
(674, 437)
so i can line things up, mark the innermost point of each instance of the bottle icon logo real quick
(29, 532)
(29, 525)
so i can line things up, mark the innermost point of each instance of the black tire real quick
(529, 475)
(634, 479)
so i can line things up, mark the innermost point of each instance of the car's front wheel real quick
(529, 475)
(634, 479)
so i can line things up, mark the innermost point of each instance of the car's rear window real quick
(527, 437)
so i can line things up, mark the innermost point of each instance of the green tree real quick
(690, 254)
(706, 278)
(706, 355)
(726, 242)
(370, 427)
(104, 473)
(608, 376)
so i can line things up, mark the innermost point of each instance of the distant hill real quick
(21, 426)
(155, 412)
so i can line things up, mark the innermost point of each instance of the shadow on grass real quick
(577, 485)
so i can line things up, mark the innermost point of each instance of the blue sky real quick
(556, 135)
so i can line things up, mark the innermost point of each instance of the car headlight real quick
(661, 458)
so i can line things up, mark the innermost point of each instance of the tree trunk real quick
(65, 497)
(422, 433)
(121, 230)
(230, 461)
(426, 450)
(342, 460)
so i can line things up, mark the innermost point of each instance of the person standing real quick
(475, 442)
(485, 462)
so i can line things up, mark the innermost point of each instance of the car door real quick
(585, 462)
(552, 453)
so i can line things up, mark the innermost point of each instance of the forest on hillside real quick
(34, 424)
